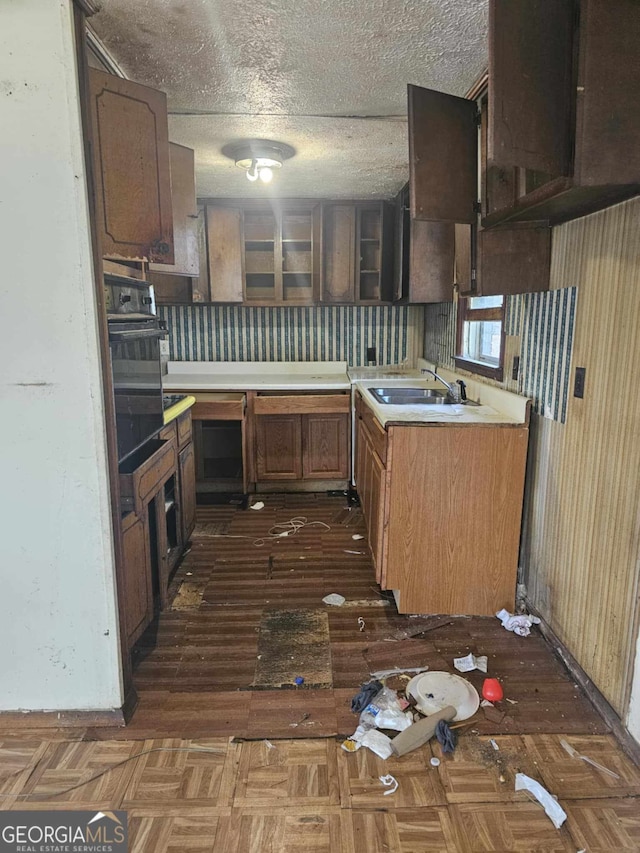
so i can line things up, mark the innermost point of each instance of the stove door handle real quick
(136, 335)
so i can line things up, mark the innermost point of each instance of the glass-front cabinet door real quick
(281, 255)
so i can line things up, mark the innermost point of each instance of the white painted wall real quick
(58, 628)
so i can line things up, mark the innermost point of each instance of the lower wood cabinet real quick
(187, 466)
(444, 514)
(137, 595)
(302, 446)
(371, 484)
(325, 446)
(278, 447)
(158, 484)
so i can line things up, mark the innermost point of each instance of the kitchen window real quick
(480, 335)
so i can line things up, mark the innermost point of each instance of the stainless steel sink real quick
(411, 396)
(415, 397)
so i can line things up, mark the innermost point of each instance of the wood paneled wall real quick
(581, 541)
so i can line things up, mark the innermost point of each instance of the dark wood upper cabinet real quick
(530, 77)
(607, 116)
(185, 213)
(132, 173)
(564, 126)
(424, 257)
(443, 156)
(339, 253)
(515, 259)
(225, 253)
(357, 252)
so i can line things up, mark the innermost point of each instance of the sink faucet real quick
(450, 387)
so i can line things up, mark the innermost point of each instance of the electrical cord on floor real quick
(102, 772)
(278, 531)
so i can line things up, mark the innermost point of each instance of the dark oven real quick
(134, 340)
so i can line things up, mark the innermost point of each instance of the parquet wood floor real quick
(291, 788)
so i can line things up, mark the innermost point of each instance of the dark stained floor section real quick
(195, 666)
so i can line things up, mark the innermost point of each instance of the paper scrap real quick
(334, 598)
(360, 623)
(551, 806)
(378, 743)
(471, 662)
(494, 745)
(257, 505)
(357, 536)
(390, 782)
(269, 745)
(486, 704)
(346, 551)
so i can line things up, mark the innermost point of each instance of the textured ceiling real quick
(297, 71)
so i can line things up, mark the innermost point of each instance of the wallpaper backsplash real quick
(538, 329)
(341, 333)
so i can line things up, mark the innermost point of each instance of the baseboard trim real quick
(611, 717)
(112, 718)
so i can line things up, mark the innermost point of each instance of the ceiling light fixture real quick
(259, 158)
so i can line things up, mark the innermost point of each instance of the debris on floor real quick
(257, 505)
(573, 752)
(519, 624)
(419, 733)
(428, 624)
(377, 742)
(361, 623)
(551, 806)
(435, 690)
(402, 670)
(492, 690)
(401, 655)
(367, 692)
(390, 782)
(335, 599)
(446, 737)
(385, 711)
(471, 662)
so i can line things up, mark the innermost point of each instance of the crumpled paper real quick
(519, 624)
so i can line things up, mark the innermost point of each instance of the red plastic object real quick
(492, 690)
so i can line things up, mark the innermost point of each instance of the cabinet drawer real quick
(183, 424)
(377, 434)
(218, 406)
(168, 432)
(142, 474)
(302, 404)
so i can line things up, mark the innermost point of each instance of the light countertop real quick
(497, 406)
(256, 376)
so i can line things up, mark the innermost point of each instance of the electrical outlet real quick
(578, 385)
(515, 369)
(371, 355)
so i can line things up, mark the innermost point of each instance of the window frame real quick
(465, 313)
